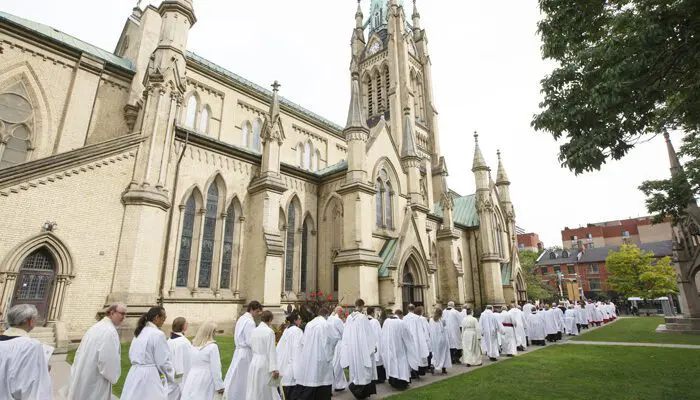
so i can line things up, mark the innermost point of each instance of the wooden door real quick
(35, 283)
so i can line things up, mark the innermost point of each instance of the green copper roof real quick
(67, 40)
(386, 255)
(266, 93)
(332, 168)
(464, 211)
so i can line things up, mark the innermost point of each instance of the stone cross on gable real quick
(275, 86)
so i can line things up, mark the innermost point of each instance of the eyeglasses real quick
(123, 313)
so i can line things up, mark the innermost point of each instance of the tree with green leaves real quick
(535, 288)
(626, 71)
(634, 272)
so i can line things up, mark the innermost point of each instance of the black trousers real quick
(313, 393)
(381, 374)
(398, 384)
(363, 391)
(455, 355)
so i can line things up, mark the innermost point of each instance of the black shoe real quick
(444, 371)
(493, 359)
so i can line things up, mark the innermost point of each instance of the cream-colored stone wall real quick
(655, 233)
(85, 203)
(107, 116)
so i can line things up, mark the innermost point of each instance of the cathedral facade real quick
(153, 176)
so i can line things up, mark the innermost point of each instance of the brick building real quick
(529, 241)
(614, 233)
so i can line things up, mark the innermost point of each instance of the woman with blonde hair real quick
(203, 381)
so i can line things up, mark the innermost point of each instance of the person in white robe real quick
(439, 343)
(420, 339)
(598, 315)
(520, 326)
(150, 359)
(559, 318)
(315, 376)
(570, 321)
(203, 380)
(24, 368)
(581, 317)
(97, 364)
(377, 328)
(396, 345)
(237, 374)
(179, 347)
(263, 370)
(550, 323)
(471, 335)
(453, 320)
(509, 345)
(340, 383)
(590, 310)
(536, 327)
(527, 308)
(288, 352)
(359, 346)
(490, 328)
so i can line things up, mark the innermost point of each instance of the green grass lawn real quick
(639, 329)
(575, 372)
(225, 348)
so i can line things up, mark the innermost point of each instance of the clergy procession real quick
(330, 353)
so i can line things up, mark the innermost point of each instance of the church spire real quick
(359, 17)
(415, 16)
(408, 144)
(672, 156)
(479, 163)
(501, 176)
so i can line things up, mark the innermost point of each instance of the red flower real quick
(330, 297)
(320, 292)
(313, 295)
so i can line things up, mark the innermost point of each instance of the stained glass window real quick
(183, 265)
(289, 257)
(33, 287)
(378, 198)
(304, 255)
(226, 257)
(208, 237)
(16, 117)
(39, 259)
(388, 194)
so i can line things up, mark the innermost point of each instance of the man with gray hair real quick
(97, 364)
(24, 370)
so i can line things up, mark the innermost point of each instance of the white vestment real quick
(377, 328)
(581, 315)
(527, 308)
(536, 326)
(359, 346)
(396, 345)
(317, 353)
(590, 310)
(180, 356)
(420, 337)
(339, 381)
(471, 334)
(97, 363)
(24, 370)
(439, 344)
(559, 317)
(509, 345)
(570, 322)
(150, 358)
(237, 374)
(550, 322)
(264, 361)
(288, 350)
(520, 327)
(490, 328)
(598, 314)
(203, 379)
(453, 320)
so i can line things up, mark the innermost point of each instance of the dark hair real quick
(266, 316)
(292, 318)
(418, 310)
(359, 303)
(179, 324)
(438, 314)
(149, 316)
(254, 305)
(398, 313)
(323, 312)
(370, 311)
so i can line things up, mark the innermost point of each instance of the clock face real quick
(374, 47)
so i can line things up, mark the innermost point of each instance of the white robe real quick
(203, 378)
(97, 363)
(590, 310)
(509, 345)
(339, 381)
(453, 320)
(288, 350)
(359, 346)
(471, 334)
(570, 322)
(581, 315)
(264, 361)
(559, 317)
(317, 353)
(420, 337)
(550, 322)
(520, 327)
(377, 328)
(180, 356)
(396, 345)
(150, 358)
(490, 329)
(237, 374)
(439, 344)
(527, 308)
(536, 326)
(24, 370)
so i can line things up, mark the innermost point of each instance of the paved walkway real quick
(672, 345)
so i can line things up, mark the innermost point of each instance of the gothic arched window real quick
(388, 195)
(208, 237)
(16, 122)
(257, 126)
(204, 120)
(289, 254)
(183, 264)
(379, 203)
(299, 154)
(307, 155)
(245, 134)
(227, 256)
(304, 255)
(370, 97)
(191, 112)
(386, 86)
(384, 199)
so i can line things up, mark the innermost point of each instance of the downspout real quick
(161, 289)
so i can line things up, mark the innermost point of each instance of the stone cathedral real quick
(153, 176)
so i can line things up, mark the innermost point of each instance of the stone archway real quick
(520, 288)
(413, 282)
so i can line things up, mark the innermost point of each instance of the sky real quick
(486, 66)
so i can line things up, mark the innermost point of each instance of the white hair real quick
(21, 314)
(450, 304)
(113, 307)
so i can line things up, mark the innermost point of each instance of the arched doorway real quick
(35, 282)
(412, 291)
